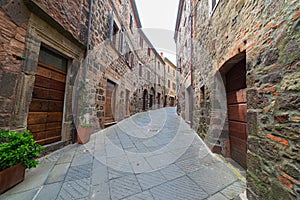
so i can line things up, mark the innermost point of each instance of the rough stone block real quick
(7, 84)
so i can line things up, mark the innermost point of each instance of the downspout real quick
(192, 78)
(177, 76)
(88, 41)
(165, 101)
(154, 95)
(84, 72)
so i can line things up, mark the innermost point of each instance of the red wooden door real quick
(237, 112)
(46, 108)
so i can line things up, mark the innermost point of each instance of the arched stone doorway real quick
(234, 75)
(145, 99)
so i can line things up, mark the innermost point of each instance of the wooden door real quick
(109, 102)
(127, 112)
(237, 112)
(46, 108)
(145, 100)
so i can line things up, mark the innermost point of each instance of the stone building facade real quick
(245, 78)
(183, 52)
(171, 86)
(50, 49)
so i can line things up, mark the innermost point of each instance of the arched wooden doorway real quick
(151, 97)
(145, 99)
(237, 111)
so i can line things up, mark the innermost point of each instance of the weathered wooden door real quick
(109, 102)
(145, 100)
(237, 112)
(46, 108)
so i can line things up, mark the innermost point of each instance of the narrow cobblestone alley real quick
(151, 155)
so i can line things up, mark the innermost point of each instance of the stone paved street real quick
(149, 156)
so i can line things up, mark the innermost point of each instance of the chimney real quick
(162, 54)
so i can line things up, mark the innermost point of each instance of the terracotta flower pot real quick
(84, 134)
(11, 177)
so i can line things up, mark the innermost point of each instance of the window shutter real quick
(111, 27)
(132, 60)
(121, 42)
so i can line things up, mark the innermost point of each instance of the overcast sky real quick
(158, 18)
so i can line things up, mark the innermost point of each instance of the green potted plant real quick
(18, 151)
(84, 127)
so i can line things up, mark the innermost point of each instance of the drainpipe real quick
(154, 95)
(84, 72)
(88, 41)
(192, 78)
(164, 104)
(177, 81)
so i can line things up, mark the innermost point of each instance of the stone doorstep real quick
(237, 170)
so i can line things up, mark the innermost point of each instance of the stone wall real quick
(13, 32)
(267, 34)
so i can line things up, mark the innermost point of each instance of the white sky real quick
(158, 18)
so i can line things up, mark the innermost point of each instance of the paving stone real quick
(82, 159)
(58, 173)
(151, 179)
(113, 174)
(234, 190)
(124, 187)
(150, 143)
(182, 188)
(66, 157)
(159, 161)
(127, 144)
(99, 173)
(146, 195)
(189, 165)
(120, 164)
(75, 189)
(20, 196)
(172, 171)
(100, 192)
(113, 151)
(217, 196)
(138, 163)
(213, 178)
(50, 191)
(79, 172)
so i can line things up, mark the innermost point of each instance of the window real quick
(173, 72)
(158, 80)
(111, 26)
(52, 58)
(140, 70)
(158, 65)
(131, 59)
(121, 41)
(212, 6)
(148, 76)
(127, 53)
(202, 93)
(168, 69)
(173, 86)
(131, 22)
(141, 42)
(185, 50)
(149, 51)
(114, 36)
(169, 83)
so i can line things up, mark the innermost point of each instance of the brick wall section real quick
(71, 15)
(268, 32)
(12, 46)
